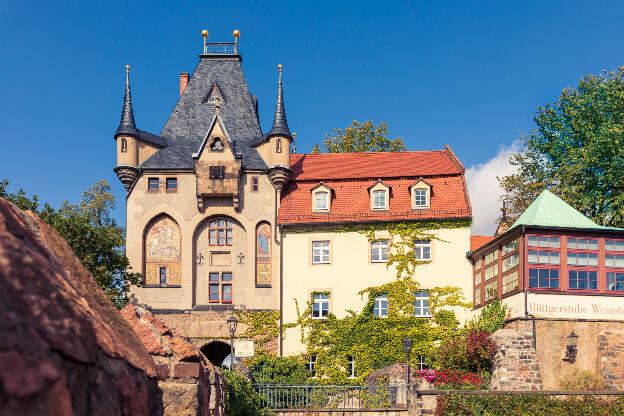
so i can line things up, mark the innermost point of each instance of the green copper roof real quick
(548, 210)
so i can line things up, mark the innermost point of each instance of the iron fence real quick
(276, 396)
(221, 48)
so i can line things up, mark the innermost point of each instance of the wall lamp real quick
(571, 350)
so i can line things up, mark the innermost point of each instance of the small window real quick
(214, 292)
(583, 259)
(420, 197)
(255, 184)
(226, 293)
(422, 363)
(153, 184)
(379, 199)
(320, 252)
(543, 257)
(163, 275)
(350, 366)
(213, 277)
(583, 279)
(278, 146)
(217, 145)
(421, 304)
(422, 249)
(615, 280)
(380, 307)
(124, 145)
(379, 251)
(320, 306)
(311, 365)
(614, 260)
(614, 245)
(321, 201)
(545, 242)
(217, 172)
(171, 184)
(582, 244)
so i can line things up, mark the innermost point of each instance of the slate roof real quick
(127, 127)
(190, 119)
(548, 210)
(350, 175)
(280, 124)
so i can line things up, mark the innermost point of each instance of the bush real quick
(491, 318)
(473, 351)
(270, 369)
(583, 380)
(529, 405)
(242, 399)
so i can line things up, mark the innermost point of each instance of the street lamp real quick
(570, 354)
(407, 347)
(232, 322)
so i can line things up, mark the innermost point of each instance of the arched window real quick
(124, 145)
(220, 232)
(163, 244)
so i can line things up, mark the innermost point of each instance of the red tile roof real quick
(350, 175)
(325, 166)
(477, 241)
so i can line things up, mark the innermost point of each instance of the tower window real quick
(278, 146)
(171, 184)
(124, 145)
(217, 172)
(153, 184)
(255, 184)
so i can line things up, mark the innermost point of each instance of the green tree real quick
(241, 398)
(94, 236)
(576, 151)
(361, 137)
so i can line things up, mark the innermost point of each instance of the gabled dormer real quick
(379, 194)
(420, 194)
(214, 96)
(217, 165)
(321, 198)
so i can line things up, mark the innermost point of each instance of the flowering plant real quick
(449, 379)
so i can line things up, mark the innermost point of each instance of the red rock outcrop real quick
(191, 385)
(64, 349)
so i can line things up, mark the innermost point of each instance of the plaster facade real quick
(351, 270)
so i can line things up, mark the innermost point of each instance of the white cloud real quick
(485, 191)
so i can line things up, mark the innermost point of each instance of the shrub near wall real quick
(527, 405)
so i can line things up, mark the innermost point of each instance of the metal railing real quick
(276, 396)
(221, 48)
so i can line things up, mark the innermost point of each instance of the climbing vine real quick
(262, 326)
(371, 341)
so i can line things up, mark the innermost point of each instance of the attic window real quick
(217, 172)
(217, 145)
(379, 199)
(420, 197)
(320, 201)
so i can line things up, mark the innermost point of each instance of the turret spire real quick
(280, 125)
(126, 124)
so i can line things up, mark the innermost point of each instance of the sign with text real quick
(244, 348)
(567, 306)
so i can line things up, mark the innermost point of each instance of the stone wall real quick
(190, 384)
(515, 361)
(611, 361)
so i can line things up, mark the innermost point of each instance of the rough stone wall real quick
(190, 384)
(611, 357)
(64, 348)
(515, 361)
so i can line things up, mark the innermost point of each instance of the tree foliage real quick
(361, 137)
(91, 232)
(576, 151)
(241, 398)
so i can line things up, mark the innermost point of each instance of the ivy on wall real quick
(262, 326)
(374, 342)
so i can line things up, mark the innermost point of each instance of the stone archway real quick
(216, 351)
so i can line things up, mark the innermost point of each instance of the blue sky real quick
(467, 74)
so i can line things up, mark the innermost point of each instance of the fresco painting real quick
(263, 255)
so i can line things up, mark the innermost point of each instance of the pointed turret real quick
(126, 124)
(280, 124)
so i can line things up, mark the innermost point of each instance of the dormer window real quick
(379, 195)
(320, 201)
(321, 198)
(421, 195)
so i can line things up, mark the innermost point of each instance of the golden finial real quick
(236, 33)
(236, 36)
(205, 34)
(127, 68)
(279, 67)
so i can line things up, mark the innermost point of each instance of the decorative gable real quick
(214, 96)
(217, 166)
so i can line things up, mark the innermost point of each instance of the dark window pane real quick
(533, 282)
(532, 272)
(214, 277)
(543, 274)
(227, 277)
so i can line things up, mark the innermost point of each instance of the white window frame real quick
(351, 366)
(422, 362)
(322, 250)
(376, 201)
(311, 365)
(422, 250)
(321, 200)
(377, 247)
(420, 197)
(322, 300)
(421, 185)
(378, 306)
(422, 296)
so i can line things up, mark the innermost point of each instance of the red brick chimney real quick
(184, 78)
